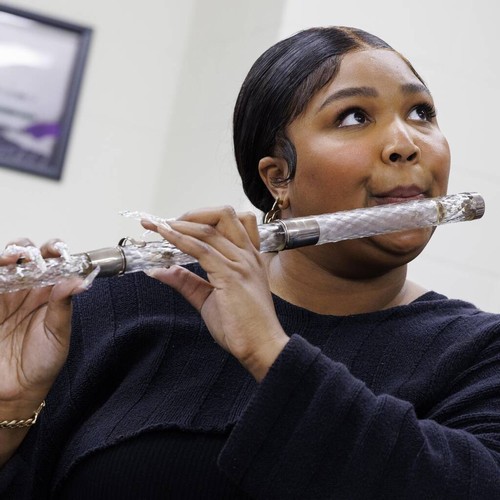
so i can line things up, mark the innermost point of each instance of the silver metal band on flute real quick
(301, 232)
(110, 261)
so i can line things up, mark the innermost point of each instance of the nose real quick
(400, 147)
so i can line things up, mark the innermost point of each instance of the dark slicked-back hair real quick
(277, 89)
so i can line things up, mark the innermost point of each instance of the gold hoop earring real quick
(275, 212)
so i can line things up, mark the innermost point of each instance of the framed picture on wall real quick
(41, 67)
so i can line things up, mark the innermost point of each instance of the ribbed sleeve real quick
(314, 431)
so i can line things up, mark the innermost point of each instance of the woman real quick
(337, 377)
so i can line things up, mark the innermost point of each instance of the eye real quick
(423, 112)
(352, 117)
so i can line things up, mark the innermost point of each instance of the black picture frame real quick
(42, 61)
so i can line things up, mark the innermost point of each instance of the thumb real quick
(58, 315)
(191, 286)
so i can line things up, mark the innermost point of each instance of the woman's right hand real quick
(34, 339)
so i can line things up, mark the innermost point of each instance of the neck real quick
(302, 282)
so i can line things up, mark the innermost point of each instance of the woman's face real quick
(369, 137)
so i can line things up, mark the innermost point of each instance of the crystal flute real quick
(132, 256)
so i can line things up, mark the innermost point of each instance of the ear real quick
(272, 170)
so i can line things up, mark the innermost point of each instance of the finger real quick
(52, 248)
(207, 255)
(23, 251)
(227, 221)
(249, 222)
(149, 224)
(210, 236)
(8, 258)
(191, 286)
(222, 218)
(13, 251)
(59, 310)
(21, 242)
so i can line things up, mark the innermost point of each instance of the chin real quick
(405, 243)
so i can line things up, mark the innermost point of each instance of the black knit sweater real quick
(402, 403)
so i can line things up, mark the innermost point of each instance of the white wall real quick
(225, 38)
(152, 130)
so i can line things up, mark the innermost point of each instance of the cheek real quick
(325, 161)
(438, 151)
(331, 175)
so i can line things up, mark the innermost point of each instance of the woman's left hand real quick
(236, 302)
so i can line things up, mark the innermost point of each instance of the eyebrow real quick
(415, 88)
(348, 92)
(406, 88)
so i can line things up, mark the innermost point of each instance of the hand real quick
(236, 302)
(34, 339)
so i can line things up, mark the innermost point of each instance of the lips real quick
(399, 194)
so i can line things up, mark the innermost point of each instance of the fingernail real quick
(89, 279)
(166, 227)
(63, 250)
(150, 220)
(155, 272)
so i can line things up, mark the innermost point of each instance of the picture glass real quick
(37, 71)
